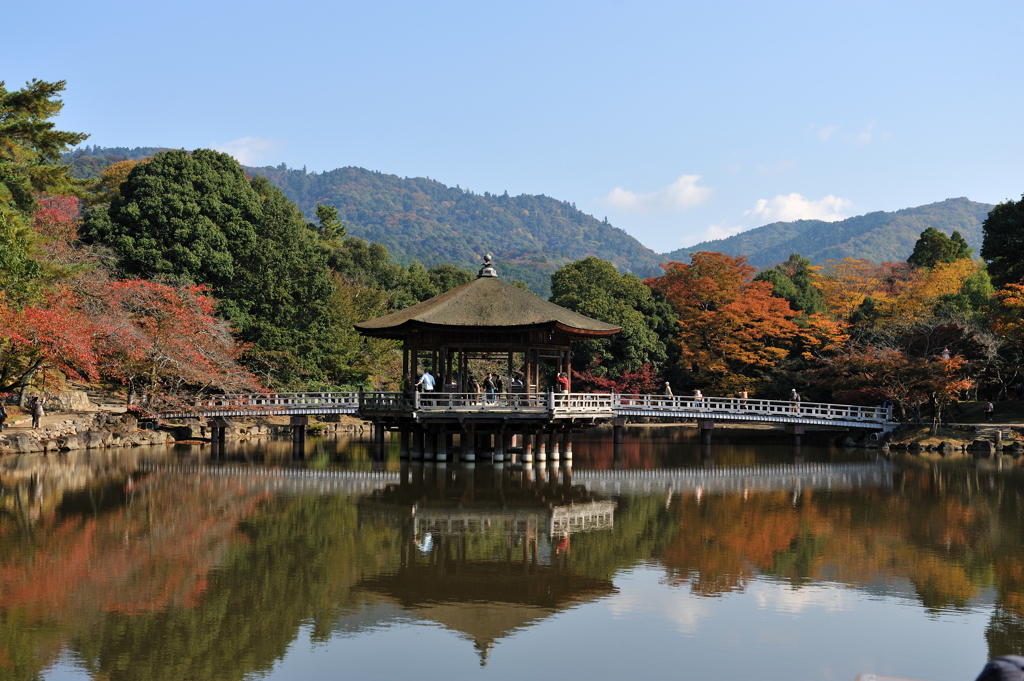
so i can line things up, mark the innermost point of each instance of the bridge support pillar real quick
(379, 433)
(553, 445)
(527, 456)
(499, 445)
(298, 424)
(617, 426)
(417, 444)
(706, 426)
(442, 445)
(542, 452)
(403, 444)
(468, 439)
(797, 433)
(567, 445)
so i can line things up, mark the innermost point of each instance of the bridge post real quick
(442, 445)
(417, 443)
(527, 455)
(298, 424)
(403, 444)
(567, 444)
(542, 453)
(796, 431)
(499, 445)
(706, 426)
(617, 424)
(553, 445)
(468, 439)
(378, 440)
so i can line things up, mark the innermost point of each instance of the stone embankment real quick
(99, 430)
(988, 442)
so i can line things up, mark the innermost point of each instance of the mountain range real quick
(878, 236)
(424, 220)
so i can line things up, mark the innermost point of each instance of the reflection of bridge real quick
(763, 478)
(443, 407)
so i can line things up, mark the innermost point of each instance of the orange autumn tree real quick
(731, 328)
(844, 284)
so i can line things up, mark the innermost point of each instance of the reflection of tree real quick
(642, 528)
(949, 532)
(194, 578)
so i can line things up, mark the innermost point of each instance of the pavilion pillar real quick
(405, 367)
(414, 366)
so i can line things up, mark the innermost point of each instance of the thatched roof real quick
(486, 303)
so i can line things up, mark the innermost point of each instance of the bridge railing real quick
(273, 402)
(736, 405)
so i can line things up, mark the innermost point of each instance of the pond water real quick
(661, 558)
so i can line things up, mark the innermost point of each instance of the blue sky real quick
(677, 121)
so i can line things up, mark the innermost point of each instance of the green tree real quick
(595, 288)
(793, 280)
(30, 154)
(195, 217)
(330, 228)
(1003, 243)
(446, 277)
(934, 247)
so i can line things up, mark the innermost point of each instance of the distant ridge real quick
(422, 219)
(879, 236)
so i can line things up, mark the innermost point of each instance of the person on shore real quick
(668, 390)
(37, 410)
(988, 411)
(3, 416)
(426, 382)
(1020, 391)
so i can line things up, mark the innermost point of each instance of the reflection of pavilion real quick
(486, 552)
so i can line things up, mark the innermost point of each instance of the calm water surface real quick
(743, 560)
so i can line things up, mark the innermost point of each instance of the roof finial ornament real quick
(488, 269)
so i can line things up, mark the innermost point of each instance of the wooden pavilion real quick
(486, 319)
(495, 321)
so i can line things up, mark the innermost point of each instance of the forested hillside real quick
(89, 161)
(425, 220)
(879, 236)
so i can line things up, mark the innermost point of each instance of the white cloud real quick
(789, 207)
(825, 133)
(679, 196)
(723, 230)
(251, 150)
(863, 138)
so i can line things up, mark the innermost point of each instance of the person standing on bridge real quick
(743, 396)
(489, 388)
(668, 390)
(563, 382)
(795, 397)
(426, 382)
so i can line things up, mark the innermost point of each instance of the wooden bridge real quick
(436, 406)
